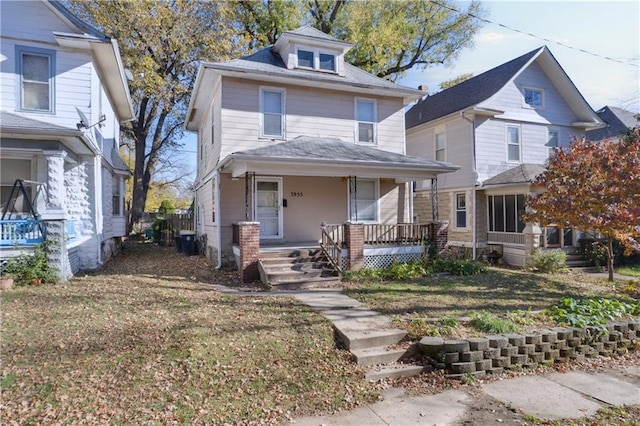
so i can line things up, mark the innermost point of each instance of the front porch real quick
(341, 247)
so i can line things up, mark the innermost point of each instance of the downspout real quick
(218, 219)
(474, 198)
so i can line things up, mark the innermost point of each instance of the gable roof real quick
(618, 121)
(466, 94)
(333, 157)
(474, 91)
(308, 32)
(522, 173)
(73, 20)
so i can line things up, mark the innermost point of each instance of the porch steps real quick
(575, 261)
(296, 268)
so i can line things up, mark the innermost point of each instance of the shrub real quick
(394, 272)
(591, 312)
(420, 326)
(461, 267)
(489, 323)
(549, 261)
(33, 267)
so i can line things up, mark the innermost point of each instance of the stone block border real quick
(494, 354)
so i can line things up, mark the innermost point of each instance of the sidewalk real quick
(556, 396)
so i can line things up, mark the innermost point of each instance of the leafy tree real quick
(161, 43)
(167, 206)
(390, 36)
(593, 187)
(456, 80)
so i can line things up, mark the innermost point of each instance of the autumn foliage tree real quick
(594, 187)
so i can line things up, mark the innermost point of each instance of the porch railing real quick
(505, 238)
(21, 232)
(400, 234)
(331, 248)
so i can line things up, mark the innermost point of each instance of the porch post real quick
(55, 180)
(439, 233)
(249, 240)
(56, 237)
(532, 232)
(354, 239)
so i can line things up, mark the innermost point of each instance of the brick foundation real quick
(439, 233)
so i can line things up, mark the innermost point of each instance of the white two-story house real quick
(293, 137)
(63, 97)
(500, 127)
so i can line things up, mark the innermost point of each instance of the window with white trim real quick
(513, 143)
(35, 71)
(327, 62)
(363, 200)
(116, 196)
(305, 58)
(272, 112)
(553, 141)
(461, 210)
(440, 146)
(533, 97)
(505, 213)
(316, 59)
(366, 120)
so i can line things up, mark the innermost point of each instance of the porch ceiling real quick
(313, 156)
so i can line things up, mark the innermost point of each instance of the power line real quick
(488, 21)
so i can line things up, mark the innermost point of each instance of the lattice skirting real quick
(382, 257)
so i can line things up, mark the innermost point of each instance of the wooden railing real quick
(21, 232)
(336, 232)
(331, 248)
(400, 234)
(505, 238)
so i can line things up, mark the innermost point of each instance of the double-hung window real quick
(461, 210)
(116, 196)
(513, 143)
(363, 200)
(305, 58)
(35, 71)
(272, 108)
(366, 121)
(440, 147)
(327, 62)
(553, 142)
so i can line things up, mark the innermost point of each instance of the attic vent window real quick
(316, 60)
(533, 97)
(327, 62)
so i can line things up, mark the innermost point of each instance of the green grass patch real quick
(632, 271)
(489, 323)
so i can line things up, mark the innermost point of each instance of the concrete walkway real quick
(556, 396)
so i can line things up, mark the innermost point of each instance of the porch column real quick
(55, 180)
(249, 240)
(532, 232)
(354, 239)
(56, 237)
(439, 233)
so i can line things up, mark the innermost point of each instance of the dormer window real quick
(327, 62)
(305, 59)
(316, 60)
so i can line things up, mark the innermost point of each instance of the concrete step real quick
(370, 338)
(377, 355)
(290, 260)
(276, 276)
(298, 266)
(393, 371)
(289, 253)
(299, 284)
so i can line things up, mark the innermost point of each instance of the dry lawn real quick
(150, 340)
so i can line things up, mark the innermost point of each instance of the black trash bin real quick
(178, 241)
(188, 242)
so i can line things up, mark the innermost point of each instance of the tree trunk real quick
(610, 257)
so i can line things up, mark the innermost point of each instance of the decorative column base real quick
(532, 234)
(354, 239)
(439, 234)
(249, 238)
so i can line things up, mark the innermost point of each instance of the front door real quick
(268, 207)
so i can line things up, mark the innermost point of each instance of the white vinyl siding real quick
(366, 121)
(272, 101)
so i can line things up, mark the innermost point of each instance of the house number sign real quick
(297, 194)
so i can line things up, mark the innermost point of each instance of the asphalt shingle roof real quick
(331, 149)
(468, 93)
(522, 173)
(618, 120)
(268, 62)
(9, 121)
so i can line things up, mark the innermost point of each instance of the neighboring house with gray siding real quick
(293, 136)
(500, 127)
(64, 96)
